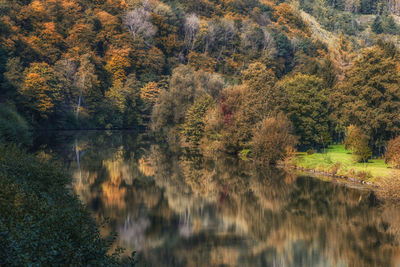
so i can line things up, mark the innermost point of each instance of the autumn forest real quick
(304, 85)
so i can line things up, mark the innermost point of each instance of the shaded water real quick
(177, 209)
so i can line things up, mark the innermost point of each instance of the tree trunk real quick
(79, 104)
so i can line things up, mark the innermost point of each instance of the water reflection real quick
(181, 210)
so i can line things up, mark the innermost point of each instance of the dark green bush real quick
(41, 222)
(310, 151)
(13, 127)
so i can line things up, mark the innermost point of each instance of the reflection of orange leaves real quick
(113, 195)
(145, 167)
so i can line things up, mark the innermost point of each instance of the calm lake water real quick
(177, 209)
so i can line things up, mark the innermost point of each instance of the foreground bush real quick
(392, 155)
(41, 222)
(13, 128)
(271, 139)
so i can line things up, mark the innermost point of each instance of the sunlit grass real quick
(339, 160)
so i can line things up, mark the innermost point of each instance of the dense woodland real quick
(256, 79)
(216, 73)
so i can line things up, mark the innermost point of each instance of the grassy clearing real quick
(339, 161)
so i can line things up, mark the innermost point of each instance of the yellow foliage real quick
(201, 61)
(295, 24)
(145, 167)
(36, 90)
(118, 62)
(116, 5)
(150, 92)
(108, 21)
(70, 7)
(171, 42)
(50, 34)
(117, 95)
(37, 6)
(80, 36)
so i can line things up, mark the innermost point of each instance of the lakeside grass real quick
(339, 161)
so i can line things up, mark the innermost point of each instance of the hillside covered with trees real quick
(215, 69)
(256, 79)
(103, 64)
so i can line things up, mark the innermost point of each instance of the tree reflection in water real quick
(179, 209)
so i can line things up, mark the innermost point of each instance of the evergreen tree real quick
(377, 25)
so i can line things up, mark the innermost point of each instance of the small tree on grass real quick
(392, 155)
(357, 142)
(272, 139)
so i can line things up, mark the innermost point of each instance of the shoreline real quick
(331, 176)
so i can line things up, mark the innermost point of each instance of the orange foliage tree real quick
(40, 89)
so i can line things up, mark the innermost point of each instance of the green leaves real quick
(370, 96)
(193, 128)
(306, 104)
(41, 222)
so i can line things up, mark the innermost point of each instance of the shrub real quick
(389, 188)
(335, 168)
(362, 152)
(310, 151)
(13, 128)
(392, 155)
(363, 175)
(41, 222)
(244, 154)
(271, 138)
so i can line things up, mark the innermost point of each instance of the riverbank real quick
(338, 162)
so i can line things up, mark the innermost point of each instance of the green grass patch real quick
(337, 160)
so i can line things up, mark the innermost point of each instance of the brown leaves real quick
(273, 140)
